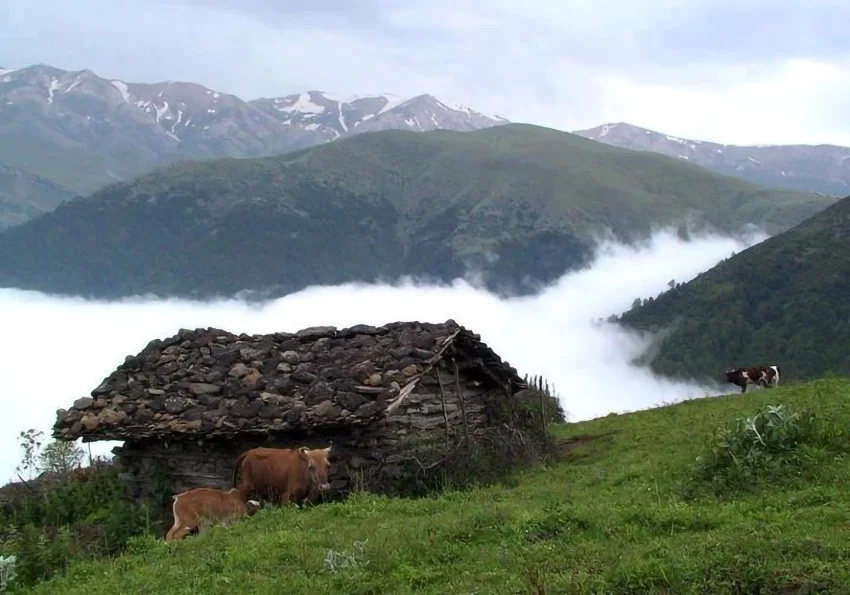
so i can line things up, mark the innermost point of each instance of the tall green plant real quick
(766, 446)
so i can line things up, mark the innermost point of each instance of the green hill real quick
(625, 511)
(24, 196)
(785, 300)
(514, 201)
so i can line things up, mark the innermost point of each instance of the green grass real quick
(611, 517)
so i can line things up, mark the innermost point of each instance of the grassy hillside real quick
(515, 201)
(24, 195)
(624, 512)
(786, 301)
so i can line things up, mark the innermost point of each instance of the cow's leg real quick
(177, 522)
(744, 387)
(170, 535)
(180, 533)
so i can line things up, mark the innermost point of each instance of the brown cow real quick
(282, 474)
(192, 506)
(765, 376)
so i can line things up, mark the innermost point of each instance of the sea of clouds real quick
(55, 349)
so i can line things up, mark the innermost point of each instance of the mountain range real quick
(82, 131)
(783, 301)
(818, 168)
(520, 204)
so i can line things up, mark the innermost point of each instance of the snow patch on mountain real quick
(51, 90)
(302, 104)
(121, 87)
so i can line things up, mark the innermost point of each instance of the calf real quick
(192, 506)
(282, 474)
(765, 376)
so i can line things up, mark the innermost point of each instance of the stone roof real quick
(209, 382)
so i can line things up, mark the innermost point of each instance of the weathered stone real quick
(143, 416)
(168, 369)
(214, 376)
(246, 408)
(326, 409)
(367, 409)
(315, 331)
(251, 379)
(155, 391)
(302, 376)
(411, 370)
(175, 405)
(136, 389)
(362, 370)
(373, 380)
(290, 357)
(284, 368)
(102, 388)
(112, 416)
(89, 422)
(238, 370)
(350, 400)
(100, 403)
(400, 352)
(249, 354)
(270, 411)
(119, 400)
(319, 391)
(203, 388)
(294, 415)
(83, 403)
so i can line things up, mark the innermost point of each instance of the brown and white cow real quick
(765, 376)
(209, 504)
(283, 474)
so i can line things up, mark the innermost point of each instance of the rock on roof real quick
(209, 382)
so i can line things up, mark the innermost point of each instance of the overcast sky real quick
(735, 71)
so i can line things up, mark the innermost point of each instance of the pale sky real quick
(733, 71)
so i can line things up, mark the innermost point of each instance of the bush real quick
(52, 520)
(772, 445)
(7, 571)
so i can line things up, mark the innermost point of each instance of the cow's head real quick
(317, 466)
(732, 374)
(252, 506)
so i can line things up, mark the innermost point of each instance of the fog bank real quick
(56, 350)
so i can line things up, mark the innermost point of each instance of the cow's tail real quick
(236, 466)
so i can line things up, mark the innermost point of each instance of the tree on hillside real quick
(57, 456)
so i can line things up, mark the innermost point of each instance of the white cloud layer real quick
(744, 71)
(55, 350)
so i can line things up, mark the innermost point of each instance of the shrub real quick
(52, 520)
(7, 571)
(773, 444)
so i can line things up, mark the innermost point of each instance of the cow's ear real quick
(328, 449)
(303, 451)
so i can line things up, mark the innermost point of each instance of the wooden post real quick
(542, 413)
(460, 398)
(443, 401)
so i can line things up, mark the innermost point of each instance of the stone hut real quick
(187, 406)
